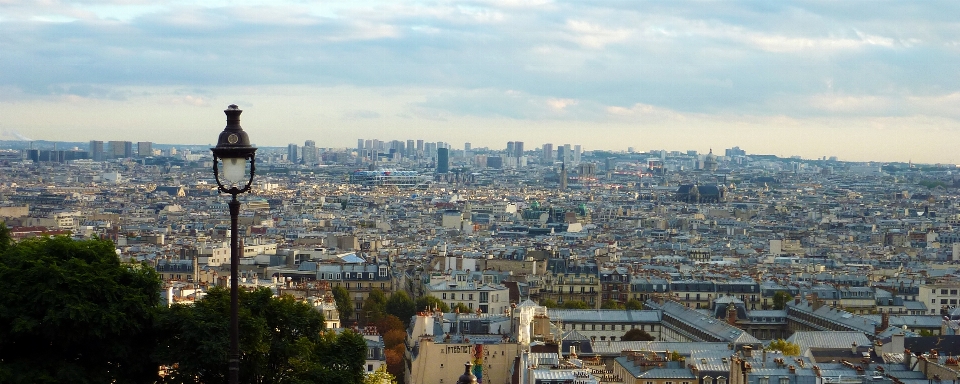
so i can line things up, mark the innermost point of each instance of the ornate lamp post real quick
(234, 151)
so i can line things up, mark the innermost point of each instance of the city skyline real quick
(794, 78)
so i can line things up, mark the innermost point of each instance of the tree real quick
(429, 302)
(676, 356)
(400, 305)
(70, 311)
(5, 239)
(611, 304)
(394, 337)
(635, 305)
(462, 308)
(780, 299)
(281, 341)
(575, 304)
(374, 306)
(344, 303)
(637, 334)
(394, 359)
(786, 347)
(380, 376)
(389, 323)
(549, 303)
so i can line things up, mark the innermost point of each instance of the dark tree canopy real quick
(374, 306)
(634, 304)
(780, 299)
(549, 303)
(344, 304)
(281, 341)
(400, 305)
(575, 304)
(611, 304)
(70, 311)
(637, 334)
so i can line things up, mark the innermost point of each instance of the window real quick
(707, 380)
(953, 292)
(943, 291)
(721, 380)
(369, 367)
(444, 296)
(784, 380)
(764, 380)
(471, 296)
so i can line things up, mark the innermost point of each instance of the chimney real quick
(796, 300)
(793, 370)
(747, 351)
(815, 301)
(731, 314)
(884, 321)
(853, 349)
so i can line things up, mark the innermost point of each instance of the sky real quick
(860, 80)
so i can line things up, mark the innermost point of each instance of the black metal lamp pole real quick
(234, 150)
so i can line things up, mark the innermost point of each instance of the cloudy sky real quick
(861, 80)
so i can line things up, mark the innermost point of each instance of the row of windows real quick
(611, 327)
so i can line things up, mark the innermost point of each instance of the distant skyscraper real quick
(309, 152)
(510, 148)
(293, 153)
(548, 153)
(120, 149)
(96, 150)
(419, 145)
(577, 151)
(144, 149)
(411, 150)
(518, 149)
(443, 160)
(466, 147)
(359, 144)
(561, 153)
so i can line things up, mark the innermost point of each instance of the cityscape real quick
(479, 192)
(554, 262)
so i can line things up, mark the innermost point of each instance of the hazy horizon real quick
(873, 81)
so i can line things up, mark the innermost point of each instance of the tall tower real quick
(144, 149)
(96, 150)
(563, 176)
(443, 160)
(309, 154)
(548, 153)
(293, 153)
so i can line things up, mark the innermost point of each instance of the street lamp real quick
(234, 151)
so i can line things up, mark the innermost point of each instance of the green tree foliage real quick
(786, 347)
(462, 308)
(429, 302)
(676, 356)
(70, 311)
(400, 305)
(5, 239)
(575, 304)
(549, 303)
(374, 306)
(634, 304)
(780, 299)
(381, 376)
(637, 334)
(611, 304)
(281, 341)
(344, 304)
